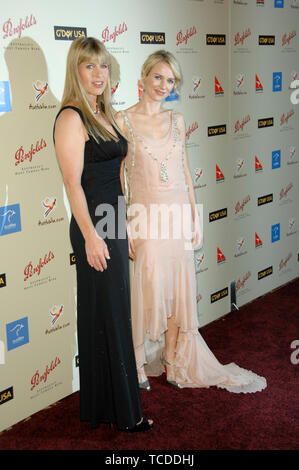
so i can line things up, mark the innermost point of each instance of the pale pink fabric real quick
(164, 280)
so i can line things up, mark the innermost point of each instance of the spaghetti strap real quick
(128, 122)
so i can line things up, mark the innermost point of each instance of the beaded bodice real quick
(153, 165)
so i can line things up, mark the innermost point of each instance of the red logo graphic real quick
(286, 38)
(240, 38)
(140, 89)
(196, 83)
(240, 206)
(37, 378)
(41, 89)
(114, 88)
(49, 204)
(240, 80)
(191, 129)
(218, 88)
(241, 282)
(284, 262)
(55, 312)
(284, 192)
(21, 156)
(285, 117)
(240, 244)
(258, 84)
(184, 38)
(219, 174)
(220, 256)
(107, 36)
(198, 173)
(29, 271)
(200, 259)
(258, 165)
(240, 164)
(292, 152)
(258, 241)
(239, 125)
(9, 30)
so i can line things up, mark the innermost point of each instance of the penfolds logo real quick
(10, 30)
(241, 282)
(191, 129)
(38, 378)
(108, 36)
(30, 270)
(21, 155)
(239, 125)
(285, 117)
(286, 38)
(240, 205)
(240, 37)
(284, 262)
(184, 38)
(284, 192)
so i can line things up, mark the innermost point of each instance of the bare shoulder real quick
(132, 110)
(70, 122)
(119, 118)
(68, 117)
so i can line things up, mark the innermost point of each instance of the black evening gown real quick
(109, 391)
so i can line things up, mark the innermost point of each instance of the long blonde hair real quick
(81, 50)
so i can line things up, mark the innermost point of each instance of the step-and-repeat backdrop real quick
(239, 61)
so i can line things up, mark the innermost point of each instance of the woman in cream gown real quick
(163, 288)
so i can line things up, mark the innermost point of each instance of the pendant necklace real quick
(163, 167)
(97, 111)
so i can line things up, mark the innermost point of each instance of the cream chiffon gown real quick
(164, 280)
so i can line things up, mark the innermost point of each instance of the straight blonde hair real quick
(81, 50)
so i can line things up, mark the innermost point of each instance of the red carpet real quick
(257, 337)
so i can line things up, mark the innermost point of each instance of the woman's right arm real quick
(69, 145)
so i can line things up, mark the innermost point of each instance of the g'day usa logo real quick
(68, 33)
(10, 219)
(6, 395)
(152, 38)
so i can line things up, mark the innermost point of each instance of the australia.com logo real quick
(17, 333)
(10, 219)
(5, 103)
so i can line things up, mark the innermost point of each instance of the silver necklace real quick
(97, 111)
(163, 166)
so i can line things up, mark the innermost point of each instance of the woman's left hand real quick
(196, 234)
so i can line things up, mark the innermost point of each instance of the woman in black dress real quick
(90, 148)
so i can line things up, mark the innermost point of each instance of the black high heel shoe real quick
(143, 426)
